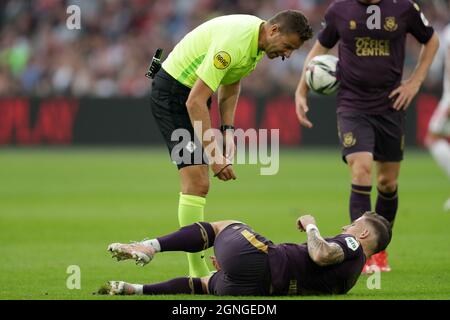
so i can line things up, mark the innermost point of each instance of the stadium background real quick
(82, 163)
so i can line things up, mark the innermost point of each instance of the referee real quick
(215, 56)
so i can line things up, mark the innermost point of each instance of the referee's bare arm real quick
(198, 111)
(228, 96)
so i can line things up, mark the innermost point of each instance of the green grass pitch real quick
(63, 207)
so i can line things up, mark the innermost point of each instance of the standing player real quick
(439, 128)
(214, 56)
(250, 264)
(372, 98)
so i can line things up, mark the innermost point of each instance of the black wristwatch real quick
(226, 127)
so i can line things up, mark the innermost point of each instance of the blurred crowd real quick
(109, 55)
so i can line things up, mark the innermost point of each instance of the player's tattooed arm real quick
(322, 252)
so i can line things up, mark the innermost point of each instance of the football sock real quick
(138, 288)
(190, 210)
(187, 285)
(192, 238)
(440, 150)
(154, 243)
(359, 201)
(387, 204)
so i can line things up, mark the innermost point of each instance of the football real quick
(321, 74)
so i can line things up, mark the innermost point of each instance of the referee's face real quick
(281, 44)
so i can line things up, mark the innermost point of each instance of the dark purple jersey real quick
(371, 49)
(293, 272)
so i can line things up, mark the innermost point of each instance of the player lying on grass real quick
(250, 264)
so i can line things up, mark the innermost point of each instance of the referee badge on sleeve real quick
(222, 60)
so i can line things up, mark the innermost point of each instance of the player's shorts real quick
(168, 102)
(440, 120)
(242, 256)
(383, 135)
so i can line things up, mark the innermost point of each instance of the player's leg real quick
(181, 285)
(389, 147)
(436, 139)
(360, 164)
(440, 150)
(387, 185)
(357, 140)
(192, 238)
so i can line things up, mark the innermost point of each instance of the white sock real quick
(440, 150)
(152, 243)
(138, 288)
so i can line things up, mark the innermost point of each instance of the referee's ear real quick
(274, 28)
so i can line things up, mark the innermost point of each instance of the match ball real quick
(321, 74)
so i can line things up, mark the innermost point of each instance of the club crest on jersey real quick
(348, 140)
(390, 24)
(352, 243)
(352, 24)
(222, 60)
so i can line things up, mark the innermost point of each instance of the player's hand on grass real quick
(301, 108)
(404, 94)
(303, 221)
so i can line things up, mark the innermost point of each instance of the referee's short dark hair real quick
(382, 229)
(293, 21)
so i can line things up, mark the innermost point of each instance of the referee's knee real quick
(198, 187)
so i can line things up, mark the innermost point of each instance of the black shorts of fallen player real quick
(383, 135)
(168, 102)
(242, 256)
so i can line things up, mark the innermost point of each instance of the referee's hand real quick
(224, 171)
(301, 108)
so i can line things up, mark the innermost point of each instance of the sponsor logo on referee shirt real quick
(222, 60)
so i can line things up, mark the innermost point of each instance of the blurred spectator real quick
(108, 57)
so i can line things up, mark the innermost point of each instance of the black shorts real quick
(168, 101)
(383, 135)
(242, 256)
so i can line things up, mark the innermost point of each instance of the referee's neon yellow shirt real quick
(220, 51)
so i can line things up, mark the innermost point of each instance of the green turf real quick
(62, 207)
